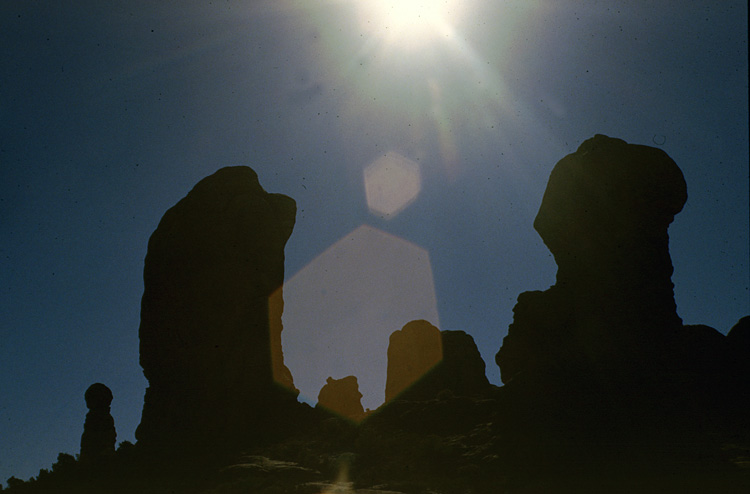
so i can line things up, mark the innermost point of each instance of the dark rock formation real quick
(738, 343)
(210, 343)
(423, 361)
(598, 368)
(739, 339)
(706, 350)
(342, 397)
(604, 217)
(99, 435)
(462, 369)
(412, 351)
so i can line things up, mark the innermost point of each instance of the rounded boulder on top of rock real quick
(99, 434)
(604, 216)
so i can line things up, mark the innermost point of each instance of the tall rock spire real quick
(210, 343)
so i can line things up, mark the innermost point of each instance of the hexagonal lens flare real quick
(341, 309)
(392, 182)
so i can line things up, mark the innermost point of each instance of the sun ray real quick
(415, 73)
(409, 24)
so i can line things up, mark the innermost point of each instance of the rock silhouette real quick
(599, 367)
(423, 361)
(604, 216)
(738, 343)
(609, 326)
(210, 342)
(99, 435)
(412, 351)
(738, 339)
(462, 369)
(606, 390)
(342, 397)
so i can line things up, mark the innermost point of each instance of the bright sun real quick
(409, 23)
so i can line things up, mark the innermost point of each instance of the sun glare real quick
(409, 23)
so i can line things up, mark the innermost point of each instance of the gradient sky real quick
(111, 111)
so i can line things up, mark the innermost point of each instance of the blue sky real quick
(109, 114)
